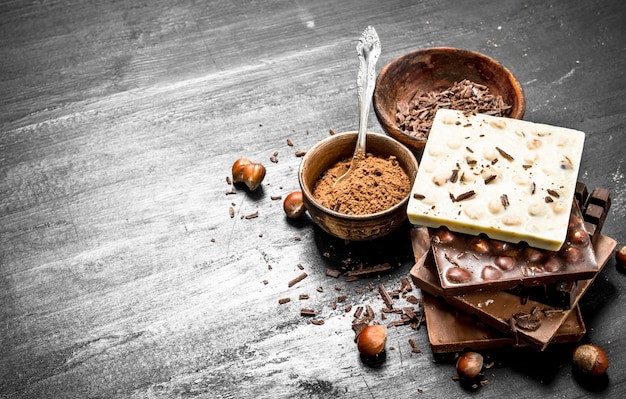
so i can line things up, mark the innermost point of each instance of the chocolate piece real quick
(297, 279)
(468, 263)
(380, 268)
(307, 312)
(596, 210)
(451, 331)
(385, 295)
(581, 194)
(333, 273)
(601, 197)
(594, 214)
(414, 347)
(496, 308)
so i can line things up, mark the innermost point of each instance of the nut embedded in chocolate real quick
(490, 273)
(458, 275)
(505, 262)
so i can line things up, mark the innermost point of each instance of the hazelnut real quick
(490, 273)
(469, 365)
(293, 205)
(572, 254)
(579, 237)
(253, 175)
(458, 275)
(620, 258)
(590, 359)
(481, 246)
(505, 262)
(371, 341)
(238, 169)
(249, 173)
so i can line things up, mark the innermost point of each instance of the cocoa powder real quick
(376, 185)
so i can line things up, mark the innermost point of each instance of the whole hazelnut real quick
(620, 258)
(252, 175)
(293, 205)
(371, 341)
(590, 359)
(469, 365)
(238, 169)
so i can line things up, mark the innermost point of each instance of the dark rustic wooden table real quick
(122, 274)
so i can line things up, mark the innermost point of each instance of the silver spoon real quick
(368, 50)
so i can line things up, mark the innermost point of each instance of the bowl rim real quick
(521, 97)
(309, 195)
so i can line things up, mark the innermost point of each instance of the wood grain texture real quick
(122, 274)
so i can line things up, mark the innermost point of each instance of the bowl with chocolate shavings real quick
(410, 89)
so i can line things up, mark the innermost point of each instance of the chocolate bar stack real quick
(508, 241)
(523, 296)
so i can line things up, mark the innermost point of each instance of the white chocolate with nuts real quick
(510, 179)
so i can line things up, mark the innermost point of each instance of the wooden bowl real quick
(353, 227)
(434, 69)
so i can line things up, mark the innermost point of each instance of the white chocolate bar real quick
(510, 179)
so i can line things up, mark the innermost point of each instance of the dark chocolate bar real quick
(502, 310)
(473, 263)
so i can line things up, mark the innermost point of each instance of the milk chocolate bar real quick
(510, 179)
(503, 311)
(473, 263)
(451, 331)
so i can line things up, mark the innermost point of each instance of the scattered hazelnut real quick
(293, 205)
(371, 341)
(238, 169)
(251, 174)
(620, 258)
(469, 365)
(590, 359)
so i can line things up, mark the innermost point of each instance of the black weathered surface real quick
(121, 272)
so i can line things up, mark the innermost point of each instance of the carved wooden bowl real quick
(434, 69)
(353, 227)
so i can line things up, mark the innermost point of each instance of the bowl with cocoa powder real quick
(410, 89)
(371, 201)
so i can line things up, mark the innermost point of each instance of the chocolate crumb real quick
(297, 279)
(252, 215)
(370, 270)
(307, 312)
(333, 273)
(317, 322)
(414, 347)
(283, 301)
(385, 295)
(505, 154)
(300, 153)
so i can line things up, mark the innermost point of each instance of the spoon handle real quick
(368, 50)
